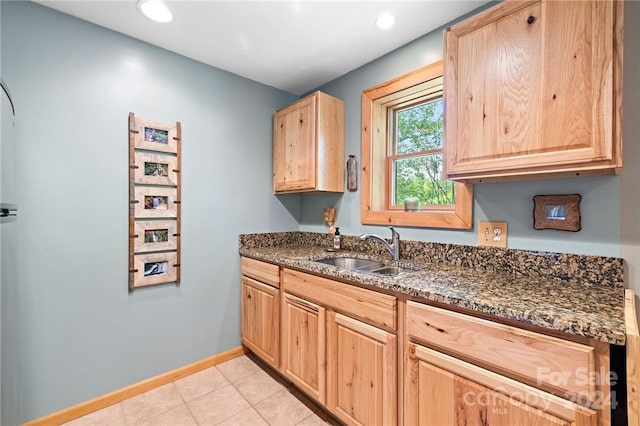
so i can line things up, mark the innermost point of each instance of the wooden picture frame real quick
(155, 235)
(155, 187)
(560, 212)
(155, 169)
(155, 202)
(155, 268)
(154, 136)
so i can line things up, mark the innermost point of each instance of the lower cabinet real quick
(260, 305)
(361, 372)
(260, 316)
(443, 390)
(303, 345)
(333, 350)
(339, 344)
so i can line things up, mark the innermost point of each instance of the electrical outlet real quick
(492, 234)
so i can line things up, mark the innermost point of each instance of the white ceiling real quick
(294, 45)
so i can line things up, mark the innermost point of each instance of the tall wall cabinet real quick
(534, 88)
(308, 145)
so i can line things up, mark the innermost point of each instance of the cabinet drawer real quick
(447, 391)
(372, 307)
(262, 271)
(524, 355)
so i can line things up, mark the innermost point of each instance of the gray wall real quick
(509, 201)
(80, 334)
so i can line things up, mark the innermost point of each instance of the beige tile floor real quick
(237, 392)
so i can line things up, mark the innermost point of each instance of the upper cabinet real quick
(308, 145)
(534, 89)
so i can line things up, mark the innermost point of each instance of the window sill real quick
(460, 217)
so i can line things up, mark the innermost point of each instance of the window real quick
(415, 154)
(403, 156)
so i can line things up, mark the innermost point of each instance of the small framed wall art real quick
(155, 235)
(155, 268)
(154, 202)
(560, 212)
(154, 169)
(154, 136)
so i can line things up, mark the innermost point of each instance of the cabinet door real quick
(442, 390)
(261, 319)
(294, 147)
(361, 372)
(303, 345)
(530, 88)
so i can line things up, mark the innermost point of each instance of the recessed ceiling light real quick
(385, 21)
(155, 10)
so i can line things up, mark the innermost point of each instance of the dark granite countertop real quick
(577, 307)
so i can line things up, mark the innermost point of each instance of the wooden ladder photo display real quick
(154, 202)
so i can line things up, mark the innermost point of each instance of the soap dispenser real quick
(337, 239)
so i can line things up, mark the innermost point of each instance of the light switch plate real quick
(492, 234)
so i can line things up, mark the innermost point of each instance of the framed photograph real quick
(155, 268)
(155, 169)
(155, 202)
(155, 235)
(155, 136)
(561, 212)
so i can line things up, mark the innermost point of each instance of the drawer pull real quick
(438, 329)
(302, 304)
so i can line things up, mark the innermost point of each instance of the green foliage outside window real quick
(419, 129)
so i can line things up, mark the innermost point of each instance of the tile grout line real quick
(250, 404)
(291, 390)
(121, 412)
(241, 396)
(240, 393)
(164, 412)
(283, 387)
(184, 401)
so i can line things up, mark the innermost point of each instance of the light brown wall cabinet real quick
(534, 88)
(308, 145)
(261, 309)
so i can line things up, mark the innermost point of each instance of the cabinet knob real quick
(248, 296)
(531, 20)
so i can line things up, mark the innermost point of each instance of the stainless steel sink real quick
(390, 270)
(351, 263)
(364, 265)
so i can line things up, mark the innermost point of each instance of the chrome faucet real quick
(394, 247)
